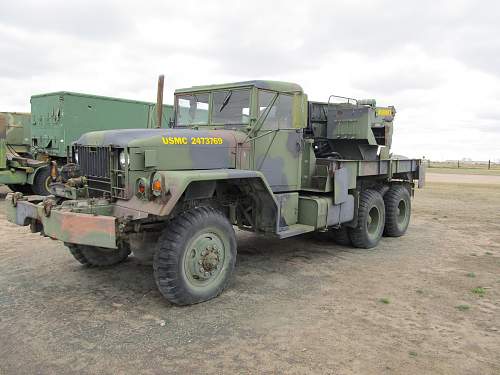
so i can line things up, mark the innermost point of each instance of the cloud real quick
(438, 62)
(91, 19)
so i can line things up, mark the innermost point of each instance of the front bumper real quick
(61, 223)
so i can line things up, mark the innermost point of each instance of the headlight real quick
(123, 160)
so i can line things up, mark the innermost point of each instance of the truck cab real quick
(270, 114)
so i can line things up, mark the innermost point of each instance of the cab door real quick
(277, 145)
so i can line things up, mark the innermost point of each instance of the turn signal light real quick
(157, 186)
(141, 188)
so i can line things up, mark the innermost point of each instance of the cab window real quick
(231, 107)
(192, 109)
(279, 116)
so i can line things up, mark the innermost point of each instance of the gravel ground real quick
(296, 306)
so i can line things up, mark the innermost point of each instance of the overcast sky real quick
(437, 62)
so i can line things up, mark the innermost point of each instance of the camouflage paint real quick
(14, 142)
(17, 127)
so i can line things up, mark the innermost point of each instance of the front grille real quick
(100, 164)
(94, 161)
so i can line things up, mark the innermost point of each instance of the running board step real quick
(295, 229)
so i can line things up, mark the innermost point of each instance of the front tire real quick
(93, 256)
(195, 257)
(397, 211)
(371, 220)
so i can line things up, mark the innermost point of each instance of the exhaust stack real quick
(159, 101)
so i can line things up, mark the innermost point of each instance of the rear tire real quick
(93, 256)
(397, 211)
(195, 257)
(371, 220)
(41, 184)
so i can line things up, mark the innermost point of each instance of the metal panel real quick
(340, 185)
(62, 117)
(96, 230)
(288, 209)
(150, 158)
(341, 213)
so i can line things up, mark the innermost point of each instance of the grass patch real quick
(411, 353)
(463, 307)
(471, 274)
(488, 253)
(420, 291)
(479, 291)
(384, 301)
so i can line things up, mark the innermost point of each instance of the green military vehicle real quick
(257, 155)
(57, 119)
(15, 140)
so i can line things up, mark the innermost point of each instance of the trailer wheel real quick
(195, 257)
(371, 219)
(341, 236)
(93, 256)
(397, 211)
(41, 184)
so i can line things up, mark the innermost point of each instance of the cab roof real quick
(261, 84)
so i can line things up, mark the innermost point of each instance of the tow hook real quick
(47, 206)
(17, 196)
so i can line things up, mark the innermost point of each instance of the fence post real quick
(489, 164)
(458, 163)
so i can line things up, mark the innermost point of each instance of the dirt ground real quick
(296, 306)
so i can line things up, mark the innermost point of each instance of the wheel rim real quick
(402, 212)
(205, 258)
(373, 222)
(47, 184)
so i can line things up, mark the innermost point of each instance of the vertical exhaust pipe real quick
(159, 101)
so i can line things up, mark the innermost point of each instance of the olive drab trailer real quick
(59, 118)
(257, 155)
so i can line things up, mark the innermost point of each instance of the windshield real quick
(192, 109)
(231, 107)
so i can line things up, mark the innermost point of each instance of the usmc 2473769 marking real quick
(192, 140)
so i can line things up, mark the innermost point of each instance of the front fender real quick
(178, 181)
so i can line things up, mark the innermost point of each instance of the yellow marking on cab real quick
(192, 140)
(174, 140)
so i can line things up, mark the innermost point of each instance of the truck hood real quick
(173, 149)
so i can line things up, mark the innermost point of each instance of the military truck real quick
(57, 119)
(256, 155)
(15, 140)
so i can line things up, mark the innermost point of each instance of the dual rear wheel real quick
(378, 215)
